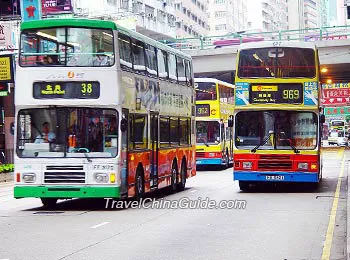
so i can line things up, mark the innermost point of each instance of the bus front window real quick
(277, 63)
(206, 91)
(208, 132)
(82, 47)
(67, 132)
(283, 130)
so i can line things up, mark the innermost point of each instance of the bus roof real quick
(90, 23)
(214, 81)
(267, 44)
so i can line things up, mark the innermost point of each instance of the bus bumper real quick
(66, 192)
(208, 161)
(276, 176)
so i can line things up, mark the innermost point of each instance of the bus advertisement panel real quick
(101, 112)
(214, 111)
(277, 123)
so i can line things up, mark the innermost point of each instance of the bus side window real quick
(162, 64)
(172, 67)
(151, 59)
(189, 79)
(138, 56)
(181, 74)
(124, 51)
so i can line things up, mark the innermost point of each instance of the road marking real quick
(193, 190)
(100, 225)
(340, 152)
(330, 230)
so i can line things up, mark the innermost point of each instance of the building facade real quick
(227, 16)
(191, 18)
(267, 15)
(154, 18)
(305, 14)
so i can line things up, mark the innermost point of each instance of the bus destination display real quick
(66, 90)
(276, 94)
(202, 110)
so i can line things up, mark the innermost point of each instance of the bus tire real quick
(49, 203)
(243, 185)
(183, 174)
(174, 177)
(139, 184)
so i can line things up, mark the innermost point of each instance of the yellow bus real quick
(214, 124)
(277, 114)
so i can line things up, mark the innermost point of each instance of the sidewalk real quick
(6, 177)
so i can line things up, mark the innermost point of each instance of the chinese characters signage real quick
(337, 111)
(6, 69)
(335, 94)
(31, 10)
(56, 6)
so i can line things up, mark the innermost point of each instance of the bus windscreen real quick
(206, 91)
(277, 63)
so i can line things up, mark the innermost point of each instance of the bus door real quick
(154, 149)
(124, 127)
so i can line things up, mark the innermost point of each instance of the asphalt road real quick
(284, 222)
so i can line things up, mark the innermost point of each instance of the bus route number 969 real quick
(291, 94)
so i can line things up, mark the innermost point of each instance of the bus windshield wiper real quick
(271, 132)
(289, 143)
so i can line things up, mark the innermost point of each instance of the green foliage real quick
(6, 168)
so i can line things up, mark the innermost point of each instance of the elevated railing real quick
(306, 35)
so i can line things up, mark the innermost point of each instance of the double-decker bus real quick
(101, 112)
(214, 124)
(277, 122)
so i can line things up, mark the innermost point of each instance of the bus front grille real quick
(275, 165)
(69, 177)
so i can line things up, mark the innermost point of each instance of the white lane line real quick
(100, 225)
(193, 190)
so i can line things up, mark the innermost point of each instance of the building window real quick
(220, 27)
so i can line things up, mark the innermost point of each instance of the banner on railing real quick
(335, 94)
(56, 6)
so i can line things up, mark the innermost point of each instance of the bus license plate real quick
(274, 178)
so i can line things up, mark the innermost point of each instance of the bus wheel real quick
(182, 184)
(174, 177)
(243, 185)
(49, 203)
(139, 185)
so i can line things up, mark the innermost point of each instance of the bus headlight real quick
(29, 177)
(247, 165)
(303, 166)
(101, 177)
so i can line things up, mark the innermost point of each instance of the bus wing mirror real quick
(123, 124)
(322, 119)
(230, 122)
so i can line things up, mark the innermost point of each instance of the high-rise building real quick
(154, 18)
(267, 15)
(227, 16)
(304, 14)
(191, 18)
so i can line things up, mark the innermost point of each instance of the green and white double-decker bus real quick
(101, 112)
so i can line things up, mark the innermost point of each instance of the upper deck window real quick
(80, 47)
(206, 91)
(277, 63)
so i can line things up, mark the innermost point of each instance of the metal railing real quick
(305, 35)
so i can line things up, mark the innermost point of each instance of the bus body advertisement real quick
(277, 123)
(101, 112)
(214, 111)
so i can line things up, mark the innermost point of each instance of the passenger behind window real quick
(51, 60)
(101, 59)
